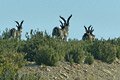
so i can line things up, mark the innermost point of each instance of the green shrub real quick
(32, 44)
(5, 34)
(104, 51)
(46, 55)
(87, 46)
(10, 59)
(79, 56)
(30, 49)
(8, 45)
(75, 55)
(89, 59)
(10, 62)
(69, 57)
(118, 52)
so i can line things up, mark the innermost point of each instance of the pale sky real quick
(103, 15)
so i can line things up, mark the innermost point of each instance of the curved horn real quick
(61, 23)
(85, 28)
(21, 23)
(92, 29)
(89, 27)
(69, 19)
(17, 22)
(63, 19)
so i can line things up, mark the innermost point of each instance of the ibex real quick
(62, 32)
(88, 35)
(16, 33)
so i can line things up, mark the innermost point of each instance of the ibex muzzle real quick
(63, 31)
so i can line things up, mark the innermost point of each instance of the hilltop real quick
(65, 71)
(42, 57)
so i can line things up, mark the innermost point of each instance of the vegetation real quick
(89, 59)
(10, 59)
(43, 49)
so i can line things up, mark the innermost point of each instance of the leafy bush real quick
(10, 59)
(5, 34)
(46, 55)
(40, 40)
(30, 46)
(118, 52)
(104, 51)
(75, 52)
(44, 49)
(89, 59)
(10, 62)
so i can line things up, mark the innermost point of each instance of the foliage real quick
(72, 50)
(10, 62)
(118, 52)
(46, 55)
(89, 59)
(104, 51)
(75, 52)
(10, 59)
(44, 49)
(5, 34)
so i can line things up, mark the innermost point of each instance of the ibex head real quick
(65, 25)
(89, 33)
(66, 22)
(19, 25)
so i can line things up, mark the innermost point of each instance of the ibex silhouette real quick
(62, 32)
(16, 33)
(88, 35)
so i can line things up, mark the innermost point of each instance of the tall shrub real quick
(104, 51)
(46, 55)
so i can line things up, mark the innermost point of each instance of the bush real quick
(104, 51)
(46, 55)
(10, 62)
(10, 59)
(5, 34)
(118, 52)
(75, 55)
(89, 59)
(29, 48)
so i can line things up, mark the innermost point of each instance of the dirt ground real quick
(66, 71)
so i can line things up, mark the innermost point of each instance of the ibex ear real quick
(69, 19)
(85, 29)
(63, 19)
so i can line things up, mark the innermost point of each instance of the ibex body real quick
(16, 33)
(62, 32)
(88, 35)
